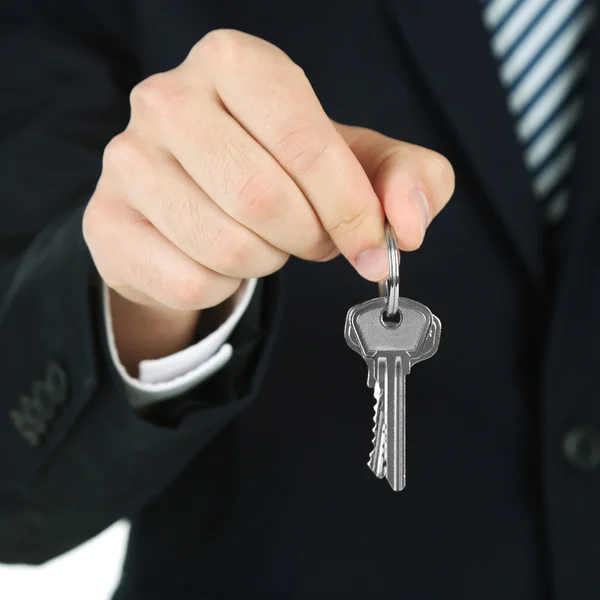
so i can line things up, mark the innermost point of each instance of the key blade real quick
(389, 351)
(391, 374)
(371, 376)
(377, 457)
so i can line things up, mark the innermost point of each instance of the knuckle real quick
(187, 292)
(346, 224)
(220, 45)
(148, 92)
(183, 216)
(298, 72)
(180, 290)
(231, 250)
(235, 51)
(123, 153)
(156, 96)
(141, 274)
(258, 197)
(300, 148)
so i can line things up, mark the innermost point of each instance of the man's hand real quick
(228, 166)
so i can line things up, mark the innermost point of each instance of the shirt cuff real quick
(168, 377)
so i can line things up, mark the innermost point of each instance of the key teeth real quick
(424, 349)
(372, 460)
(375, 418)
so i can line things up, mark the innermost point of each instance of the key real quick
(353, 343)
(390, 350)
(376, 458)
(430, 346)
(432, 342)
(391, 347)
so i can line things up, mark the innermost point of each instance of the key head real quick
(374, 335)
(432, 342)
(352, 342)
(349, 334)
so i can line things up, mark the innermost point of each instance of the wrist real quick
(149, 332)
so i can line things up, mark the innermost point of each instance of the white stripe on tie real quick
(542, 61)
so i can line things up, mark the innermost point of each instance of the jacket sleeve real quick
(74, 456)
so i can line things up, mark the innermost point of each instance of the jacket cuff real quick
(173, 375)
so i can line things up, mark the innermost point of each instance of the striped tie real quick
(542, 56)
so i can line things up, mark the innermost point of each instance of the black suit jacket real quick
(255, 484)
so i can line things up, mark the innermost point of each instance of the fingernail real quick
(419, 199)
(373, 264)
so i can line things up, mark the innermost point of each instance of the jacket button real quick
(581, 448)
(56, 382)
(38, 407)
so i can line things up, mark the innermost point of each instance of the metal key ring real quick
(391, 286)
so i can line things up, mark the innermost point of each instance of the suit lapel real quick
(451, 47)
(585, 189)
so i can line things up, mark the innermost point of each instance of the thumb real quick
(412, 183)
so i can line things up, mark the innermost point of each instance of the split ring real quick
(391, 287)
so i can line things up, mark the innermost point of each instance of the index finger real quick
(272, 99)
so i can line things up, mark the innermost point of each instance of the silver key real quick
(377, 457)
(392, 349)
(432, 341)
(430, 346)
(351, 340)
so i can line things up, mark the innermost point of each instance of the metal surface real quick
(393, 380)
(390, 288)
(374, 337)
(377, 456)
(390, 354)
(432, 342)
(390, 347)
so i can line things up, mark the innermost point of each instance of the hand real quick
(229, 165)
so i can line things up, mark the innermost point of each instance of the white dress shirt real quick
(173, 375)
